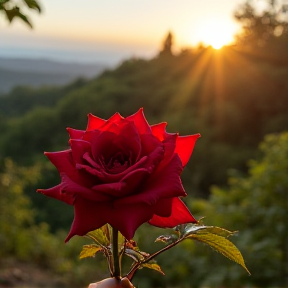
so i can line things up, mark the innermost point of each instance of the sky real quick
(112, 30)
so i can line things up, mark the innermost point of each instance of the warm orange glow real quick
(215, 32)
(217, 45)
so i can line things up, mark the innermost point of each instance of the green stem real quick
(136, 266)
(116, 272)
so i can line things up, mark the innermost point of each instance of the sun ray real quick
(197, 68)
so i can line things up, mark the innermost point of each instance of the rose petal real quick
(88, 216)
(128, 218)
(63, 161)
(79, 147)
(167, 185)
(112, 127)
(159, 130)
(128, 141)
(88, 135)
(75, 134)
(57, 193)
(107, 177)
(169, 146)
(134, 180)
(69, 186)
(180, 215)
(91, 215)
(149, 143)
(163, 207)
(94, 122)
(140, 122)
(185, 146)
(115, 118)
(126, 186)
(101, 143)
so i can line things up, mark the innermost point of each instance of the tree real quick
(260, 29)
(11, 10)
(167, 45)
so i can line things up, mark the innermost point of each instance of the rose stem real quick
(116, 273)
(136, 265)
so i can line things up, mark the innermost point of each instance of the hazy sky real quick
(110, 30)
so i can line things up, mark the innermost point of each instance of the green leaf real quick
(167, 239)
(153, 266)
(89, 251)
(99, 237)
(192, 229)
(33, 5)
(15, 12)
(135, 255)
(219, 243)
(107, 231)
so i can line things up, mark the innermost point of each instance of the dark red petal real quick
(63, 161)
(79, 148)
(126, 186)
(149, 143)
(169, 146)
(75, 134)
(140, 122)
(163, 207)
(94, 122)
(159, 130)
(57, 193)
(105, 177)
(88, 216)
(88, 135)
(91, 215)
(185, 146)
(166, 185)
(69, 186)
(101, 143)
(134, 180)
(180, 215)
(128, 218)
(128, 141)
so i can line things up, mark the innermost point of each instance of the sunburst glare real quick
(216, 32)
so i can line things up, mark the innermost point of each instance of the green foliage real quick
(153, 266)
(213, 236)
(11, 10)
(99, 237)
(89, 251)
(216, 238)
(257, 206)
(26, 241)
(264, 33)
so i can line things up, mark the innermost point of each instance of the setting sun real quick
(216, 32)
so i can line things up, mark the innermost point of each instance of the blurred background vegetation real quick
(236, 97)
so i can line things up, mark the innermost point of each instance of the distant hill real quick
(39, 72)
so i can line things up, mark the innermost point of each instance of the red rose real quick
(124, 172)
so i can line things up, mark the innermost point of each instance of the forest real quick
(235, 97)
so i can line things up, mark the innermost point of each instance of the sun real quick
(216, 32)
